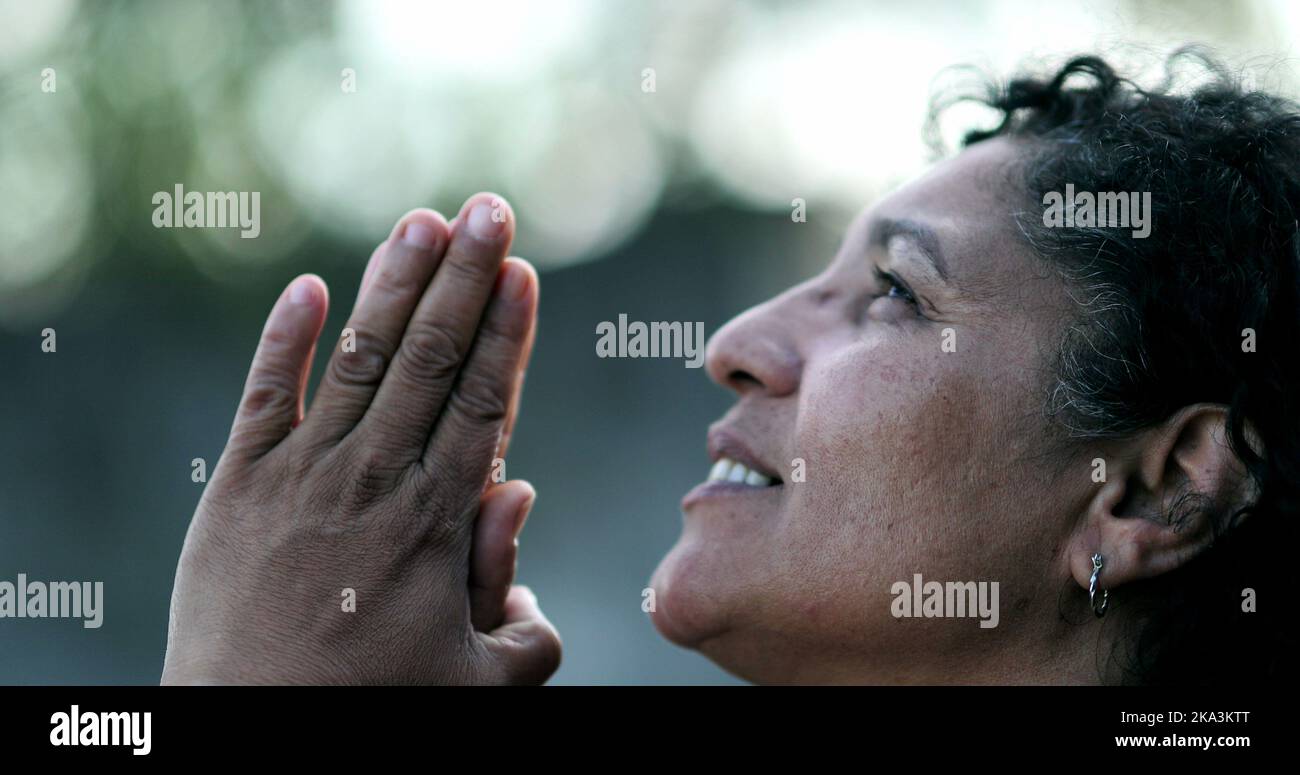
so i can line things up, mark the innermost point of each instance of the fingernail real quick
(302, 291)
(515, 283)
(487, 219)
(420, 235)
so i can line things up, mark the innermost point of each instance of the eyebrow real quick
(883, 230)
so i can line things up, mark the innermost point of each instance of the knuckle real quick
(467, 268)
(365, 366)
(434, 496)
(374, 473)
(481, 401)
(270, 396)
(431, 350)
(252, 438)
(275, 339)
(393, 278)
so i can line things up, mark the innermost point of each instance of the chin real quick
(687, 603)
(700, 605)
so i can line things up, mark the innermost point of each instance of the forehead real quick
(972, 203)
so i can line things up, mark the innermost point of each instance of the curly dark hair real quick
(1161, 323)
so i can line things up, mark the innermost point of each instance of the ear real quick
(1165, 492)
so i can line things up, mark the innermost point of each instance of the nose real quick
(758, 352)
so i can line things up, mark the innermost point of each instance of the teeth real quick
(729, 470)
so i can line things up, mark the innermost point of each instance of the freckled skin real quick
(918, 461)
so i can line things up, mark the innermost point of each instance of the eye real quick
(894, 288)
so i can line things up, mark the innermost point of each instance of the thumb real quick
(525, 649)
(502, 511)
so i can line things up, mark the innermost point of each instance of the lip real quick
(723, 442)
(720, 490)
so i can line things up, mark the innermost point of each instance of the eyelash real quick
(893, 283)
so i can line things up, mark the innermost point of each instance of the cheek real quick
(907, 470)
(875, 420)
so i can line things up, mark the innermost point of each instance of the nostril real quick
(742, 380)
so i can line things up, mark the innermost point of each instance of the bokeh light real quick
(756, 103)
(46, 186)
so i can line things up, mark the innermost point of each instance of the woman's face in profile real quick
(905, 385)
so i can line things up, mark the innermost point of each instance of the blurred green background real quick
(651, 151)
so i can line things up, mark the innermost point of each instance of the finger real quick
(470, 426)
(526, 649)
(273, 393)
(402, 269)
(501, 516)
(517, 396)
(443, 327)
(370, 271)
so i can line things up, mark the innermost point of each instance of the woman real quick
(988, 444)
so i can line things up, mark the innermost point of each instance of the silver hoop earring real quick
(1097, 562)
